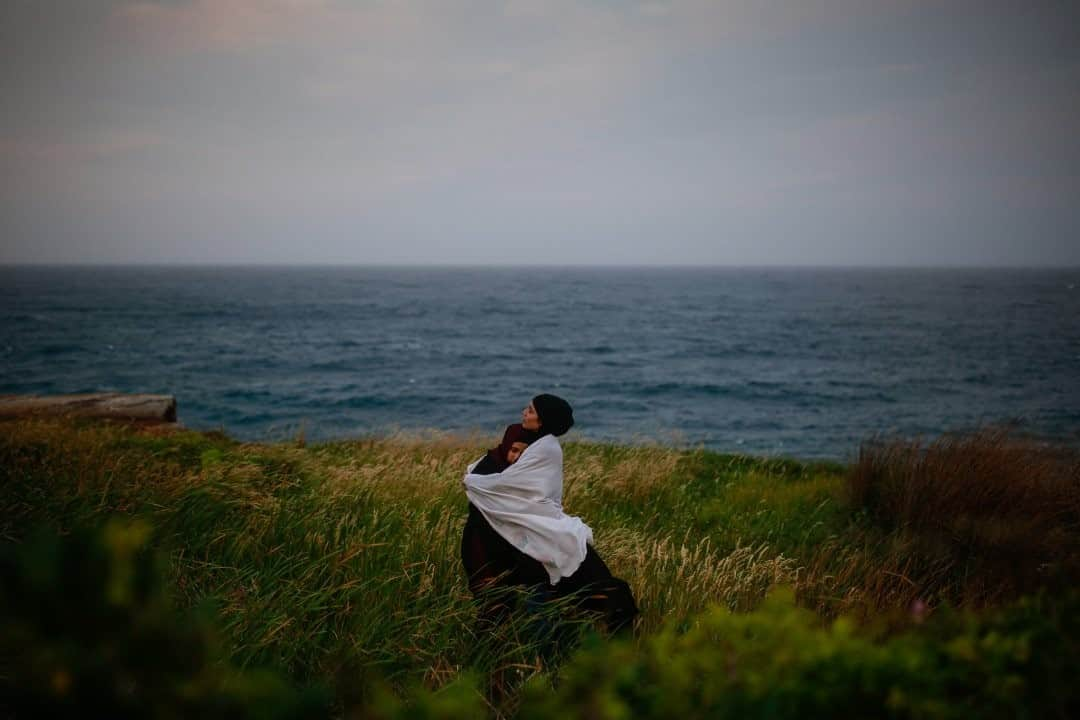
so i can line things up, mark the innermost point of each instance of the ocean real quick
(807, 363)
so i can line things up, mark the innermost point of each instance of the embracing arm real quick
(488, 464)
(540, 465)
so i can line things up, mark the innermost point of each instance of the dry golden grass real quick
(677, 577)
(632, 475)
(405, 469)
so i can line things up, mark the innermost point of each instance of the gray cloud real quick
(827, 132)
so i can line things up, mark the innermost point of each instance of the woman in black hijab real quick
(493, 564)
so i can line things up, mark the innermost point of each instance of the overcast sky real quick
(819, 132)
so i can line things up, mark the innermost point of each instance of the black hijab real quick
(556, 415)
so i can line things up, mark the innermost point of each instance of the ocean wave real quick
(339, 365)
(62, 349)
(357, 402)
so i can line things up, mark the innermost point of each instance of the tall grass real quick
(329, 557)
(341, 560)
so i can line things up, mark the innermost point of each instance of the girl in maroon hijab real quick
(485, 554)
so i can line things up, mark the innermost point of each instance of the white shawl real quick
(524, 504)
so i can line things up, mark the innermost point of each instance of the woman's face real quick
(529, 419)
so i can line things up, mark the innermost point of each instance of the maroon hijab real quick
(514, 433)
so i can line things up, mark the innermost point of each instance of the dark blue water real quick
(805, 363)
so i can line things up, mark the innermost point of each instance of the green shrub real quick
(87, 630)
(779, 662)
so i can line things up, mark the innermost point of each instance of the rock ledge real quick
(150, 409)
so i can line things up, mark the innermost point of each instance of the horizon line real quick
(517, 266)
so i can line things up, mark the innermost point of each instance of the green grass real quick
(340, 560)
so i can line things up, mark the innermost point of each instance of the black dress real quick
(493, 565)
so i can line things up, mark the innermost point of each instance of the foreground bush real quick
(87, 630)
(778, 662)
